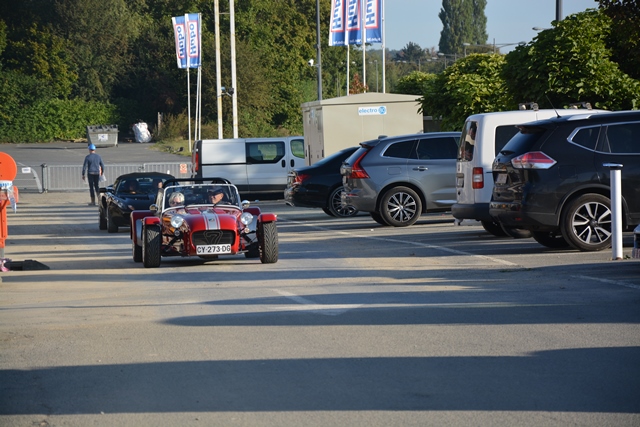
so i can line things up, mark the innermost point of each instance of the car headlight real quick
(246, 218)
(177, 221)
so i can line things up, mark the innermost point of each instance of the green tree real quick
(571, 63)
(99, 34)
(463, 21)
(625, 40)
(415, 83)
(471, 85)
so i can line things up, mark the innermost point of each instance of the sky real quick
(508, 21)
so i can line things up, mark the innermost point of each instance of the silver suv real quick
(396, 179)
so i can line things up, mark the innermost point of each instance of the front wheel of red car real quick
(269, 243)
(151, 239)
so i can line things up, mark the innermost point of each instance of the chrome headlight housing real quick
(177, 221)
(246, 218)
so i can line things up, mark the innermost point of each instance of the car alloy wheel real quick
(586, 222)
(400, 207)
(335, 205)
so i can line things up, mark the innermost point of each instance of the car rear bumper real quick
(303, 199)
(513, 215)
(360, 200)
(477, 211)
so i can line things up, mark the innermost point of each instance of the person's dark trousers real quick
(94, 186)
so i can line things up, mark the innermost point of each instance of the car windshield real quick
(201, 194)
(137, 186)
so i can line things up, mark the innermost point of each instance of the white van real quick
(254, 165)
(483, 136)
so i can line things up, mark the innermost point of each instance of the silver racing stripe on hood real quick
(211, 220)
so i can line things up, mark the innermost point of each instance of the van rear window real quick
(467, 141)
(503, 135)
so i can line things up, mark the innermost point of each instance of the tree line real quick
(66, 64)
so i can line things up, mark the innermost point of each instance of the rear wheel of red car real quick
(335, 207)
(112, 227)
(400, 207)
(151, 240)
(137, 251)
(494, 228)
(550, 239)
(269, 243)
(586, 222)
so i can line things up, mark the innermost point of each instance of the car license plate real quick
(213, 249)
(501, 179)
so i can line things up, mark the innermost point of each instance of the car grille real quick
(213, 237)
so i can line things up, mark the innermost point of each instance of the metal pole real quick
(234, 83)
(319, 52)
(364, 46)
(616, 209)
(216, 13)
(558, 10)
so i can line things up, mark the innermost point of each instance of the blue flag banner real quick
(180, 33)
(337, 26)
(194, 51)
(373, 21)
(346, 22)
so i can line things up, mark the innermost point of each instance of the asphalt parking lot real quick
(356, 324)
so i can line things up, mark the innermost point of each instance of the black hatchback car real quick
(551, 178)
(129, 192)
(320, 185)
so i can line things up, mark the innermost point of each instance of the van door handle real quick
(283, 163)
(293, 163)
(421, 168)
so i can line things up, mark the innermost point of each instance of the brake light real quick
(196, 163)
(477, 179)
(533, 160)
(357, 171)
(300, 178)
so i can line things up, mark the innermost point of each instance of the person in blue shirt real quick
(92, 169)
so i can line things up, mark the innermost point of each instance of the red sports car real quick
(204, 218)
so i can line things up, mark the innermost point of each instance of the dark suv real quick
(398, 178)
(551, 178)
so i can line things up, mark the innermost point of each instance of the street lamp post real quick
(375, 61)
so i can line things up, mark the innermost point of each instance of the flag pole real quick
(216, 14)
(364, 48)
(384, 52)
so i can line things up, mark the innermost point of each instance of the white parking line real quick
(308, 305)
(418, 244)
(611, 282)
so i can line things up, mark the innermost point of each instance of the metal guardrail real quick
(69, 177)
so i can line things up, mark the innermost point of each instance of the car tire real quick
(268, 238)
(494, 228)
(334, 205)
(586, 222)
(550, 239)
(378, 218)
(151, 240)
(400, 207)
(112, 227)
(102, 221)
(137, 251)
(516, 233)
(328, 212)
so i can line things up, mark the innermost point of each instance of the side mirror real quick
(245, 204)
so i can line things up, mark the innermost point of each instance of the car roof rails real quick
(528, 106)
(578, 105)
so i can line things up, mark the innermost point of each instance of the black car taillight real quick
(533, 160)
(357, 171)
(300, 178)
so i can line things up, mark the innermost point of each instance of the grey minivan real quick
(396, 179)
